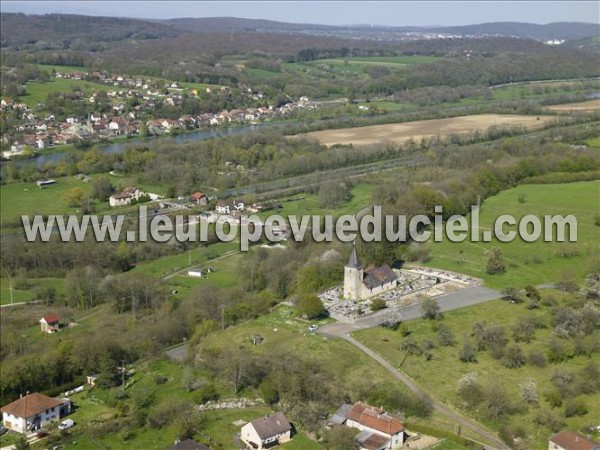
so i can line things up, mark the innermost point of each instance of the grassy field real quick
(440, 374)
(402, 132)
(61, 69)
(27, 293)
(528, 263)
(27, 198)
(261, 73)
(594, 142)
(382, 60)
(37, 92)
(305, 204)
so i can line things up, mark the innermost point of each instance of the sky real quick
(389, 13)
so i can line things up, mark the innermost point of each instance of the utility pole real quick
(123, 374)
(10, 286)
(222, 317)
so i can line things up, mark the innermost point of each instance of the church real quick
(361, 284)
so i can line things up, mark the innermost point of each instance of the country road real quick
(467, 297)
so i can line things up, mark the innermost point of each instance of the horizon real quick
(375, 14)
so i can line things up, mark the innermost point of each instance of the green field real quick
(439, 375)
(404, 60)
(28, 198)
(261, 73)
(37, 92)
(529, 263)
(27, 293)
(61, 69)
(305, 204)
(594, 142)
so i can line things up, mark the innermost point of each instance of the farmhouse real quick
(360, 284)
(224, 207)
(50, 323)
(125, 197)
(33, 411)
(199, 198)
(568, 440)
(266, 432)
(378, 431)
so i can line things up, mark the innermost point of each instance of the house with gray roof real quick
(266, 432)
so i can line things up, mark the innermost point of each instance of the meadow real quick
(536, 262)
(37, 92)
(439, 374)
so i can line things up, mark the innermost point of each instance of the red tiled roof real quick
(30, 405)
(375, 419)
(574, 441)
(51, 318)
(198, 195)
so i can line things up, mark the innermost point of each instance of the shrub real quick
(576, 407)
(378, 304)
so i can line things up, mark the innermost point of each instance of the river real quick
(118, 147)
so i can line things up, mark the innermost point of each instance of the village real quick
(131, 102)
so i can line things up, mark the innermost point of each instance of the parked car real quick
(3, 429)
(313, 328)
(66, 424)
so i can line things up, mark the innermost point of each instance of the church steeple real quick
(353, 261)
(353, 277)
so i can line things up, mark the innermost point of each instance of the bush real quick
(207, 393)
(536, 358)
(310, 306)
(445, 335)
(576, 407)
(378, 304)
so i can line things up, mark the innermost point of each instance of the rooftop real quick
(30, 405)
(570, 440)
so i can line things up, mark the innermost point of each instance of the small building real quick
(378, 430)
(266, 432)
(188, 444)
(233, 206)
(125, 197)
(50, 323)
(42, 183)
(198, 273)
(199, 198)
(32, 411)
(569, 440)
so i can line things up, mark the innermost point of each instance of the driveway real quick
(467, 297)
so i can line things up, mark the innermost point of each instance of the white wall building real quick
(33, 411)
(266, 432)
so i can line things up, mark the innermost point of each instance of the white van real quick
(66, 424)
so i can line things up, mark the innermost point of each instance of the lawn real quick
(529, 263)
(439, 375)
(28, 198)
(404, 60)
(61, 69)
(27, 293)
(594, 142)
(170, 264)
(37, 92)
(305, 204)
(261, 73)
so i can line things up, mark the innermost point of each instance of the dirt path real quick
(439, 407)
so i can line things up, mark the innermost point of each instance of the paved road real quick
(467, 297)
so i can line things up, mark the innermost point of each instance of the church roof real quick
(379, 276)
(353, 261)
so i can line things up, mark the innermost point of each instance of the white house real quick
(33, 411)
(266, 432)
(223, 207)
(568, 440)
(125, 197)
(50, 323)
(378, 430)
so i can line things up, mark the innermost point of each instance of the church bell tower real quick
(353, 276)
